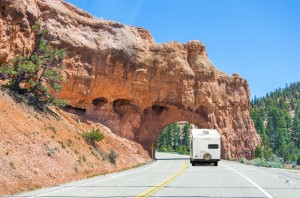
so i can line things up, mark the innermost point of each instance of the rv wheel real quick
(193, 163)
(207, 157)
(216, 163)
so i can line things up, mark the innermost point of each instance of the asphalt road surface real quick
(173, 176)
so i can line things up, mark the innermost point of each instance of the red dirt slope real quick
(38, 149)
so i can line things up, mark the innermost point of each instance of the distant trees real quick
(276, 118)
(186, 134)
(296, 131)
(174, 138)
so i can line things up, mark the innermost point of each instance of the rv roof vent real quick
(205, 132)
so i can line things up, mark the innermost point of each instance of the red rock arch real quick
(153, 123)
(120, 76)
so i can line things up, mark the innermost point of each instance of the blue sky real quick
(259, 39)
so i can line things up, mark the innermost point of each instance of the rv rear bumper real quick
(204, 161)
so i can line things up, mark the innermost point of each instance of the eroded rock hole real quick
(2, 11)
(120, 106)
(74, 110)
(157, 109)
(203, 113)
(99, 102)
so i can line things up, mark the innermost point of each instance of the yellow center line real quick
(162, 184)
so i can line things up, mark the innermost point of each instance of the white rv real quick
(205, 146)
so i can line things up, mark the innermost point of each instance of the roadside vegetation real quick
(33, 78)
(112, 156)
(275, 162)
(93, 136)
(276, 118)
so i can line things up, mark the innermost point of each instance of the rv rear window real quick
(213, 146)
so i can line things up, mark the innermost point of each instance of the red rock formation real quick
(125, 80)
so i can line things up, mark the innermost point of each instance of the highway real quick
(173, 176)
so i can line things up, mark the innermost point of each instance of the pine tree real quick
(175, 131)
(267, 151)
(186, 134)
(37, 74)
(281, 133)
(259, 152)
(296, 131)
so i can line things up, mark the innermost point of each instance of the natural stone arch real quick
(118, 75)
(155, 121)
(175, 82)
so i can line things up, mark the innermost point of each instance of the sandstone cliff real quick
(119, 76)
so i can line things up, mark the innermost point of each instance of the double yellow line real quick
(162, 184)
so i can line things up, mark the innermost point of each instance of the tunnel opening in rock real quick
(175, 138)
(121, 106)
(99, 102)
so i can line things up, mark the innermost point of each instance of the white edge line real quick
(252, 182)
(102, 179)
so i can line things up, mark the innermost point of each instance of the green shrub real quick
(262, 162)
(12, 165)
(259, 162)
(112, 156)
(183, 150)
(163, 148)
(298, 160)
(245, 161)
(52, 128)
(59, 102)
(93, 136)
